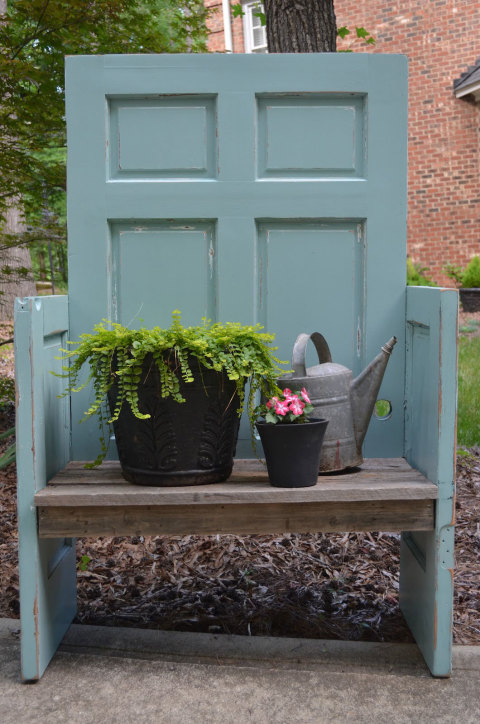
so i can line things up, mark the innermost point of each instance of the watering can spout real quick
(364, 390)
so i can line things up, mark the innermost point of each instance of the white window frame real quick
(249, 8)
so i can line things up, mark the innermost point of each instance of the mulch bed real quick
(318, 586)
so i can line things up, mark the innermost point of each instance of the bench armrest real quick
(431, 383)
(43, 420)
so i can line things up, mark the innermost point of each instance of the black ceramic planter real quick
(470, 299)
(292, 452)
(188, 443)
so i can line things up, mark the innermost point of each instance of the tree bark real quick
(17, 257)
(301, 26)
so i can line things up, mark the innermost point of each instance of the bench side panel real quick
(427, 559)
(46, 568)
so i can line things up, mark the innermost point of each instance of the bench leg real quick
(47, 599)
(426, 594)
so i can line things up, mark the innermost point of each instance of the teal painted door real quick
(264, 189)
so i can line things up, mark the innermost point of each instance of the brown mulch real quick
(318, 586)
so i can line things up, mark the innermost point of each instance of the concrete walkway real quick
(123, 676)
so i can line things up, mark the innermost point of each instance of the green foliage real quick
(467, 278)
(454, 272)
(360, 34)
(35, 37)
(468, 424)
(238, 12)
(471, 275)
(7, 392)
(116, 354)
(471, 326)
(9, 455)
(416, 275)
(82, 564)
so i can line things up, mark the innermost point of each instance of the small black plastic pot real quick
(292, 451)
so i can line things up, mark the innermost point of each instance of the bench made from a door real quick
(241, 188)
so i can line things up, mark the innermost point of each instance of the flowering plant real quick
(287, 406)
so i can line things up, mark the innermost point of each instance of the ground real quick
(317, 586)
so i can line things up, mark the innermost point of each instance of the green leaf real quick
(83, 563)
(343, 32)
(362, 33)
(262, 16)
(237, 10)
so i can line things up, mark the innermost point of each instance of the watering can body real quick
(347, 404)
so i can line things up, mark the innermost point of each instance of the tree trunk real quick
(14, 285)
(301, 26)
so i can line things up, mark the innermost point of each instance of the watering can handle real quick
(300, 348)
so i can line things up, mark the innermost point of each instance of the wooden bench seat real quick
(384, 494)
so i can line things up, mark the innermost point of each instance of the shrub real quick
(471, 275)
(416, 275)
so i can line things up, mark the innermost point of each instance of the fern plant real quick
(115, 355)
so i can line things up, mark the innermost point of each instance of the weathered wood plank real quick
(241, 492)
(239, 519)
(390, 480)
(236, 493)
(109, 471)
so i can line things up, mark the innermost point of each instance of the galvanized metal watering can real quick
(347, 404)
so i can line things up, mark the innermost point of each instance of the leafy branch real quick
(359, 34)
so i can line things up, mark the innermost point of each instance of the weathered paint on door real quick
(256, 189)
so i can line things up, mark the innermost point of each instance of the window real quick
(254, 32)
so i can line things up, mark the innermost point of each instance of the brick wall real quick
(441, 39)
(216, 37)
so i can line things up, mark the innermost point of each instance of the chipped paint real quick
(30, 352)
(37, 628)
(452, 575)
(211, 258)
(454, 499)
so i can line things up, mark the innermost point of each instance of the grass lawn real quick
(468, 425)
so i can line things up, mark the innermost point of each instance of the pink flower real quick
(305, 396)
(271, 403)
(288, 395)
(296, 406)
(281, 408)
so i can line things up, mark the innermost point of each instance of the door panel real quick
(255, 189)
(161, 266)
(311, 136)
(304, 267)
